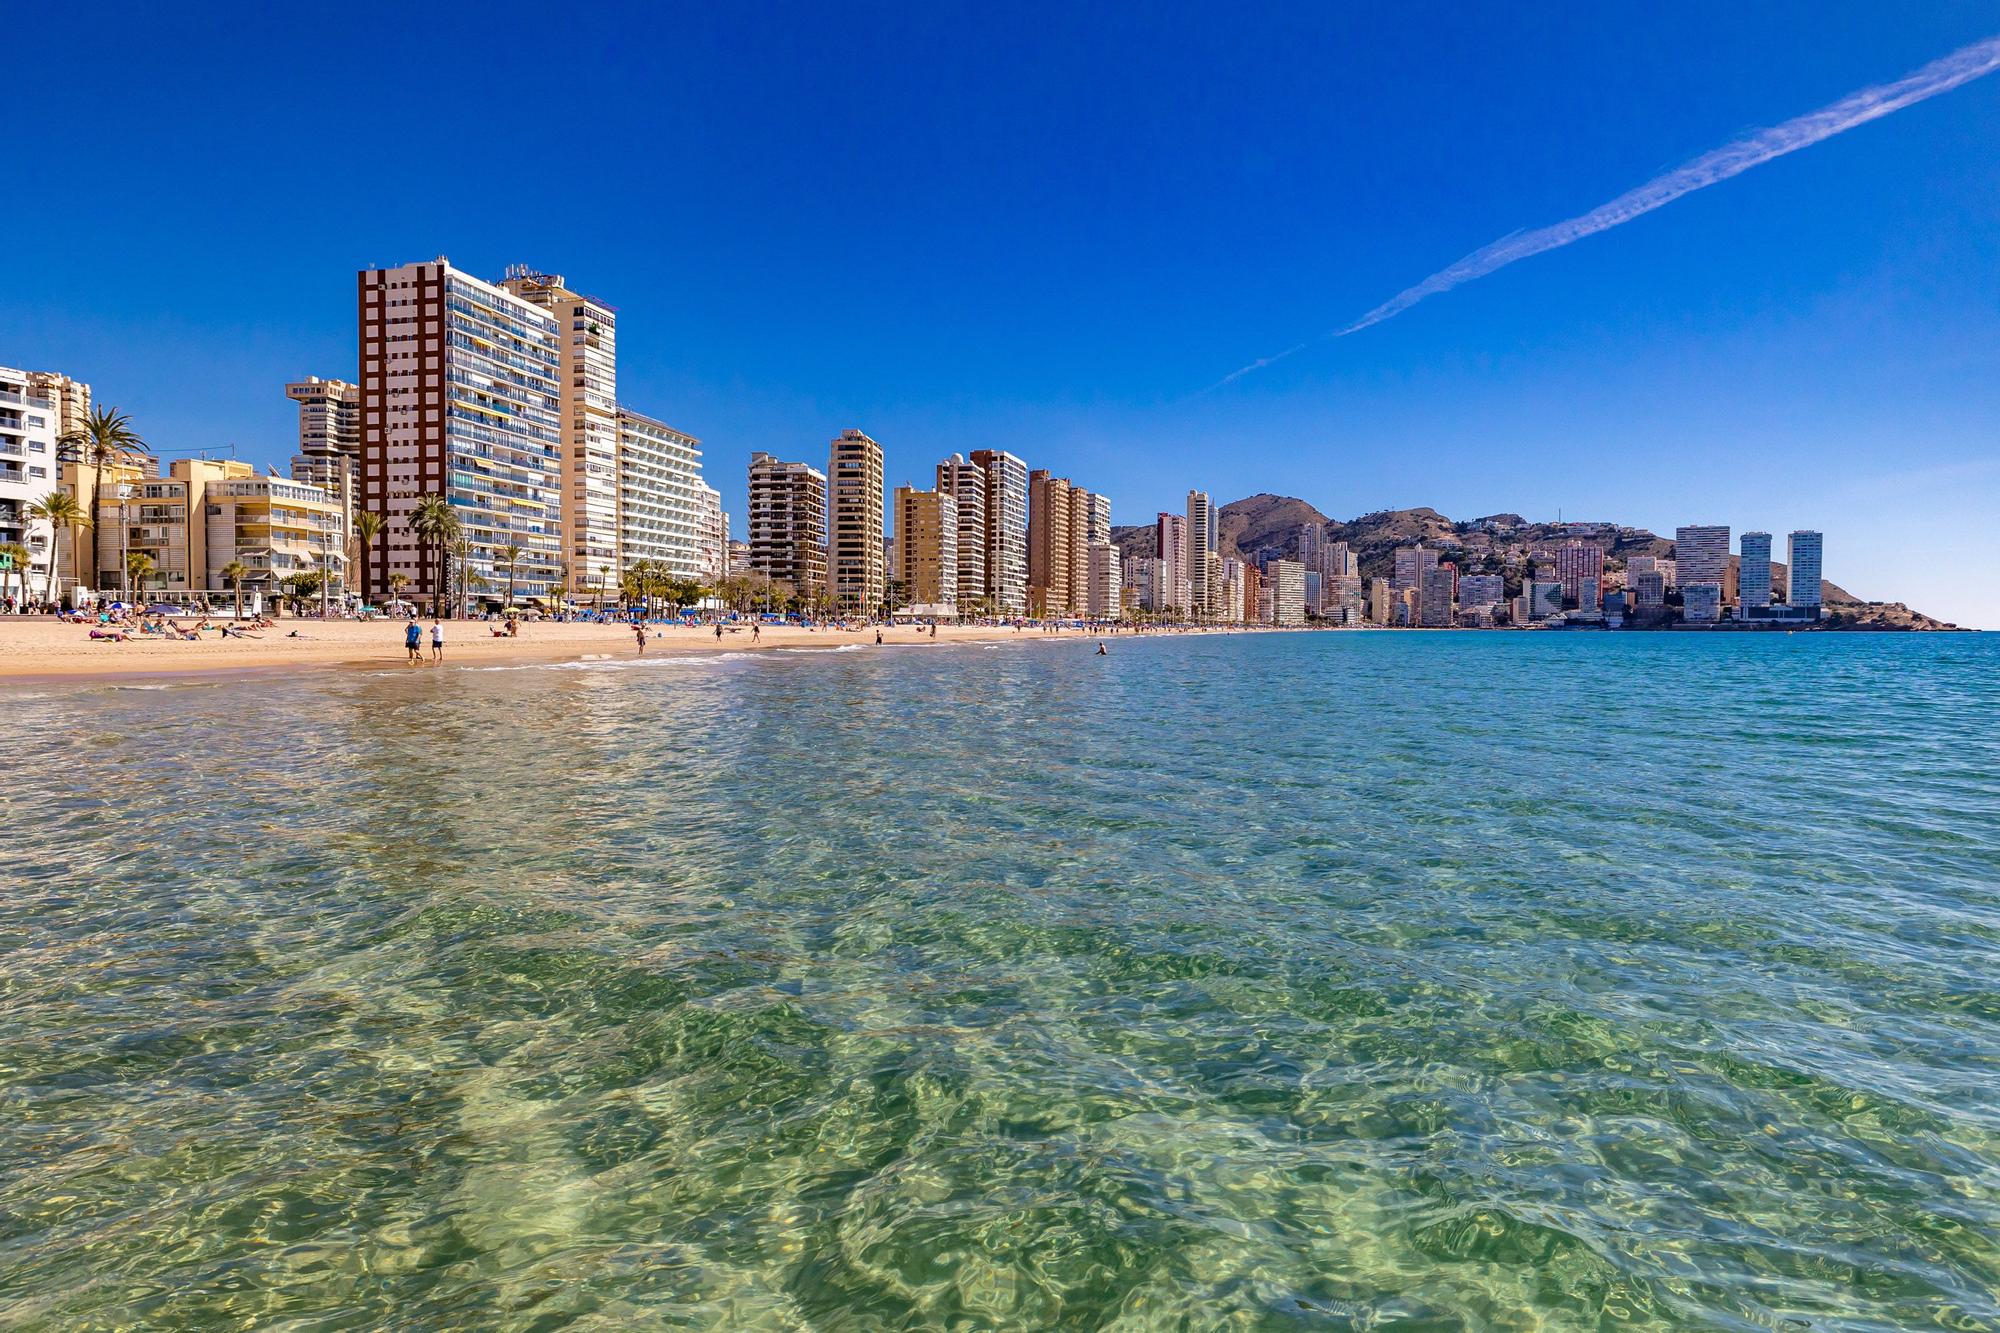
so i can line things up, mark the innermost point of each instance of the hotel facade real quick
(461, 397)
(658, 502)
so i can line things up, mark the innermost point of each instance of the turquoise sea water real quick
(1329, 981)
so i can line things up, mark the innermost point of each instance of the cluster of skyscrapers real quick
(990, 537)
(1573, 584)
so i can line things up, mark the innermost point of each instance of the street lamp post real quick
(125, 540)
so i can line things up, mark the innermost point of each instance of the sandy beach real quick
(34, 647)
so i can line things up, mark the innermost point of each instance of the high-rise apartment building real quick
(965, 483)
(1701, 554)
(329, 429)
(68, 399)
(1139, 575)
(1049, 565)
(1487, 590)
(1204, 560)
(27, 475)
(1637, 565)
(926, 562)
(1436, 594)
(1578, 564)
(1754, 576)
(1379, 598)
(787, 524)
(711, 536)
(1288, 592)
(1803, 555)
(857, 566)
(658, 504)
(1006, 530)
(1170, 545)
(588, 332)
(1256, 594)
(1104, 601)
(1544, 598)
(1346, 602)
(461, 394)
(1089, 526)
(329, 455)
(1411, 564)
(1337, 560)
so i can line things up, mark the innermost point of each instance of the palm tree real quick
(397, 582)
(233, 574)
(60, 511)
(106, 437)
(137, 566)
(434, 523)
(367, 526)
(511, 556)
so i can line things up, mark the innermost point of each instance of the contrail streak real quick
(1732, 159)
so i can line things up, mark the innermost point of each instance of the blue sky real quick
(1048, 228)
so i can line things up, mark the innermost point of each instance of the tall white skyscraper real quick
(1204, 560)
(1006, 530)
(1804, 552)
(1753, 584)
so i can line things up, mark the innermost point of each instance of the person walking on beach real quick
(756, 630)
(437, 641)
(413, 640)
(639, 633)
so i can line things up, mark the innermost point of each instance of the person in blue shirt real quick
(413, 639)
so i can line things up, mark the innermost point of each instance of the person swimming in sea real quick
(1102, 651)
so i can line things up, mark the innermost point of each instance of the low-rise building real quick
(1701, 603)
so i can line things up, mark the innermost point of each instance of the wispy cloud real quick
(1732, 159)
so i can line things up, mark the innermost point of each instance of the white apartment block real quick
(588, 330)
(659, 500)
(1803, 555)
(711, 536)
(461, 396)
(1288, 592)
(1753, 582)
(1006, 530)
(1106, 582)
(1475, 590)
(28, 418)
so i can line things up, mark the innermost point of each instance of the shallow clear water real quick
(1275, 982)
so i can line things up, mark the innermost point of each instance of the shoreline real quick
(39, 651)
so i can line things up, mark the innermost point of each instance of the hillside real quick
(1268, 527)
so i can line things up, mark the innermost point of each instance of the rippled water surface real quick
(1267, 982)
